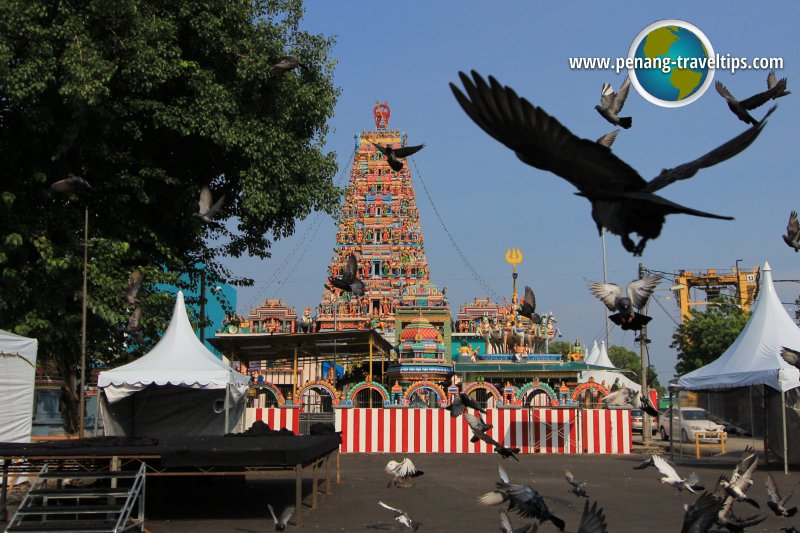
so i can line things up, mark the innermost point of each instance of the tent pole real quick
(785, 444)
(766, 427)
(752, 421)
(227, 405)
(671, 415)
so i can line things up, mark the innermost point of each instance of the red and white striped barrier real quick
(274, 417)
(555, 431)
(606, 431)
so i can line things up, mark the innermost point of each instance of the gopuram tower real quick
(379, 224)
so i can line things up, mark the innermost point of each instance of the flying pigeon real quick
(479, 428)
(394, 155)
(622, 201)
(505, 525)
(776, 503)
(702, 514)
(792, 237)
(528, 306)
(72, 183)
(671, 477)
(476, 423)
(790, 356)
(592, 520)
(622, 304)
(622, 396)
(775, 86)
(727, 518)
(206, 209)
(611, 104)
(401, 473)
(525, 499)
(608, 139)
(402, 517)
(348, 280)
(461, 402)
(134, 321)
(740, 109)
(286, 64)
(738, 488)
(578, 489)
(280, 523)
(134, 284)
(644, 403)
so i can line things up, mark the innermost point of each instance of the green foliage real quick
(149, 101)
(706, 335)
(562, 347)
(628, 360)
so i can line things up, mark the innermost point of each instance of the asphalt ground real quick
(445, 498)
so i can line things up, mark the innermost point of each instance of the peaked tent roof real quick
(602, 357)
(593, 353)
(179, 358)
(11, 344)
(754, 357)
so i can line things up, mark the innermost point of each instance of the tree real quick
(707, 334)
(628, 360)
(562, 347)
(149, 101)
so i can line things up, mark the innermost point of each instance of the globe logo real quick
(670, 63)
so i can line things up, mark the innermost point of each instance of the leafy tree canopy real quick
(628, 360)
(149, 101)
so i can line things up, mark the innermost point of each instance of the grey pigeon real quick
(608, 139)
(776, 87)
(402, 517)
(476, 423)
(702, 514)
(776, 503)
(461, 402)
(622, 201)
(134, 321)
(286, 64)
(727, 518)
(578, 489)
(611, 104)
(622, 304)
(280, 523)
(790, 356)
(523, 498)
(207, 208)
(528, 306)
(479, 429)
(505, 525)
(348, 281)
(394, 155)
(738, 485)
(792, 237)
(645, 464)
(134, 284)
(592, 520)
(740, 109)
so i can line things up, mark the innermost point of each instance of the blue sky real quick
(406, 54)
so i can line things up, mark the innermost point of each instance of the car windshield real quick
(636, 412)
(695, 415)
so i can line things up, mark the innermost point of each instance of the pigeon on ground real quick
(622, 304)
(394, 155)
(280, 523)
(740, 109)
(72, 183)
(286, 64)
(611, 104)
(622, 201)
(402, 517)
(528, 306)
(777, 87)
(505, 525)
(402, 473)
(671, 477)
(523, 498)
(461, 402)
(134, 284)
(702, 514)
(608, 139)
(207, 208)
(790, 356)
(578, 489)
(776, 503)
(792, 237)
(348, 280)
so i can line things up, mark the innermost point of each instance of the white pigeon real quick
(402, 517)
(280, 523)
(401, 472)
(741, 481)
(671, 477)
(207, 209)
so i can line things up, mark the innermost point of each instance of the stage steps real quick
(51, 506)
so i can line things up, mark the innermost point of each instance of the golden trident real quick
(514, 257)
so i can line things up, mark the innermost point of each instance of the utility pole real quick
(203, 305)
(646, 431)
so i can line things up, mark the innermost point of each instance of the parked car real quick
(636, 421)
(687, 422)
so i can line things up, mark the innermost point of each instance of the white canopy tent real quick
(754, 357)
(178, 388)
(17, 381)
(610, 376)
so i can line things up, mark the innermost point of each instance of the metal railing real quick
(136, 493)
